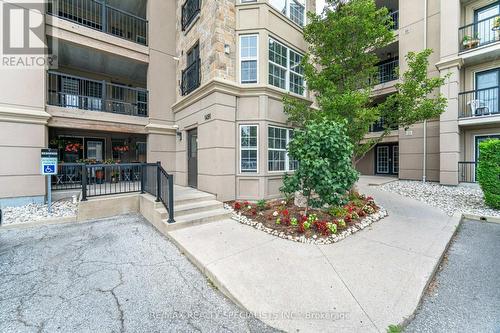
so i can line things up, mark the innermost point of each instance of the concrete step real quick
(191, 197)
(196, 207)
(198, 218)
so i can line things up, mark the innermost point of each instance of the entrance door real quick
(487, 90)
(387, 159)
(95, 150)
(192, 137)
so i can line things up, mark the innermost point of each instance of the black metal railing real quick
(69, 176)
(191, 78)
(71, 91)
(467, 172)
(387, 71)
(479, 102)
(395, 18)
(380, 126)
(479, 33)
(100, 16)
(190, 9)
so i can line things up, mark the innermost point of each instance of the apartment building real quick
(194, 84)
(465, 38)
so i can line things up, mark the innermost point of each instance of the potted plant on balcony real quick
(470, 42)
(496, 26)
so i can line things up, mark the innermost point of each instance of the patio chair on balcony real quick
(478, 108)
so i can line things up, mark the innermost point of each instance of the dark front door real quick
(192, 137)
(387, 159)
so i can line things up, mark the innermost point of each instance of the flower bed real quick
(319, 226)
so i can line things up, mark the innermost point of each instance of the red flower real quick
(348, 218)
(246, 204)
(285, 212)
(254, 212)
(322, 227)
(303, 218)
(237, 206)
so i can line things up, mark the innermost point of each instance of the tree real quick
(339, 70)
(325, 172)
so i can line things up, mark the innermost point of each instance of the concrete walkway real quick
(362, 284)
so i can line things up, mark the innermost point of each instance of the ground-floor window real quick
(248, 148)
(278, 158)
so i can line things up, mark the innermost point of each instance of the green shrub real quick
(488, 172)
(325, 172)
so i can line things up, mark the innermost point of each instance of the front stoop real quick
(191, 207)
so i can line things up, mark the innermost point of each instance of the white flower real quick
(275, 213)
(283, 202)
(249, 207)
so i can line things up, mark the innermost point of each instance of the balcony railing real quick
(479, 33)
(467, 172)
(395, 18)
(191, 78)
(387, 72)
(97, 15)
(190, 9)
(480, 102)
(70, 91)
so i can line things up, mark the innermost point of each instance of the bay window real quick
(295, 10)
(285, 71)
(278, 158)
(249, 58)
(248, 148)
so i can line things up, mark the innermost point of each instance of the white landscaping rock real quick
(363, 223)
(451, 199)
(35, 212)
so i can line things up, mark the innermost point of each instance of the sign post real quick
(49, 168)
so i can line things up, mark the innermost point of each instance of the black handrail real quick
(479, 33)
(191, 78)
(108, 179)
(467, 172)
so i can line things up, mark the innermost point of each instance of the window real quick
(248, 148)
(285, 71)
(191, 75)
(190, 10)
(277, 155)
(248, 58)
(293, 9)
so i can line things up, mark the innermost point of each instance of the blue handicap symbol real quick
(49, 168)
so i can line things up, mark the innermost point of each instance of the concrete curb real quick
(49, 221)
(458, 218)
(490, 219)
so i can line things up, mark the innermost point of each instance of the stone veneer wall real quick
(214, 28)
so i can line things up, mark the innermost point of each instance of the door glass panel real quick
(485, 19)
(383, 159)
(395, 159)
(487, 84)
(94, 150)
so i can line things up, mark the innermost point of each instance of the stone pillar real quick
(449, 66)
(162, 83)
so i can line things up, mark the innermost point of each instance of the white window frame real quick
(287, 157)
(256, 58)
(287, 10)
(287, 68)
(244, 172)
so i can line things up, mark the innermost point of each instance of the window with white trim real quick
(285, 71)
(249, 53)
(277, 155)
(248, 148)
(295, 10)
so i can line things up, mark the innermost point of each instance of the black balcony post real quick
(104, 93)
(158, 181)
(171, 199)
(84, 182)
(143, 168)
(104, 17)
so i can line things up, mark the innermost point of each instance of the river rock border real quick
(363, 223)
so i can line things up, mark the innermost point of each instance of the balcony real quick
(395, 18)
(102, 17)
(387, 71)
(191, 78)
(190, 9)
(480, 33)
(70, 91)
(479, 103)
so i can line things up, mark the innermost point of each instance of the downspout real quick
(424, 169)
